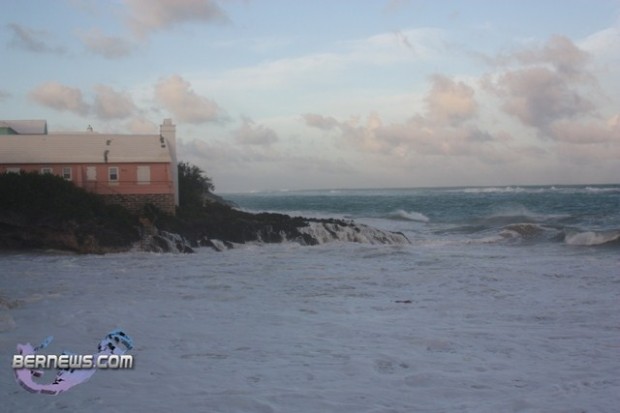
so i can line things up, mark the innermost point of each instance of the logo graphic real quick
(73, 369)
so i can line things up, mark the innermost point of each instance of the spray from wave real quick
(592, 238)
(402, 215)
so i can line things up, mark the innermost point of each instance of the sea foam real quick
(590, 238)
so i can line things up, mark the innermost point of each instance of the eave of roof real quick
(82, 148)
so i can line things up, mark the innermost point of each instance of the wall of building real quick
(128, 190)
(159, 182)
(135, 202)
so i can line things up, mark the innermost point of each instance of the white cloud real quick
(110, 104)
(603, 44)
(141, 125)
(177, 96)
(249, 133)
(329, 67)
(60, 97)
(450, 101)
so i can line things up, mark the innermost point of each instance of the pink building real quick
(131, 170)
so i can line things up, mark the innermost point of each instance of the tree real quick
(193, 185)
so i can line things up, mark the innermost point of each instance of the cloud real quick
(448, 128)
(560, 52)
(252, 134)
(141, 125)
(32, 40)
(590, 132)
(241, 168)
(4, 95)
(345, 59)
(110, 47)
(320, 122)
(110, 104)
(551, 89)
(393, 6)
(176, 94)
(450, 101)
(539, 96)
(603, 44)
(146, 16)
(60, 97)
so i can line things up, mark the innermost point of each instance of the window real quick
(12, 170)
(91, 173)
(66, 173)
(47, 170)
(144, 175)
(113, 174)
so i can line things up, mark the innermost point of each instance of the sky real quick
(287, 95)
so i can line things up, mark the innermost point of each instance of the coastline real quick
(217, 225)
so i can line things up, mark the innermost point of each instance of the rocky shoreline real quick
(221, 227)
(218, 226)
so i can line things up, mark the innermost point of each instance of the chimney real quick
(168, 131)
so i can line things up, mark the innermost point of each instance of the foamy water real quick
(464, 319)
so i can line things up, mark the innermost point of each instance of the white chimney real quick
(168, 131)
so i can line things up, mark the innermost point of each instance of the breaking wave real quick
(596, 190)
(592, 238)
(323, 232)
(402, 215)
(490, 190)
(538, 190)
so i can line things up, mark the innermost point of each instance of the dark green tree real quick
(193, 185)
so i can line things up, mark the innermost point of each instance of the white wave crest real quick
(590, 238)
(324, 232)
(493, 189)
(596, 190)
(408, 216)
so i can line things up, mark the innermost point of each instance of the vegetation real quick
(38, 201)
(194, 185)
(46, 211)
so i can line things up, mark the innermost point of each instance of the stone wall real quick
(135, 202)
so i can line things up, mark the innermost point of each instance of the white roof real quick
(82, 148)
(26, 127)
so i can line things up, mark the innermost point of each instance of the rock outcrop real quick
(47, 212)
(221, 227)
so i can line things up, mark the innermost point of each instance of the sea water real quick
(507, 299)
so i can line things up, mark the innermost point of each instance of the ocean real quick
(573, 215)
(507, 299)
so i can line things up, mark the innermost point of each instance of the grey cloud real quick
(538, 96)
(560, 52)
(551, 87)
(319, 121)
(579, 132)
(32, 40)
(110, 47)
(147, 16)
(252, 134)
